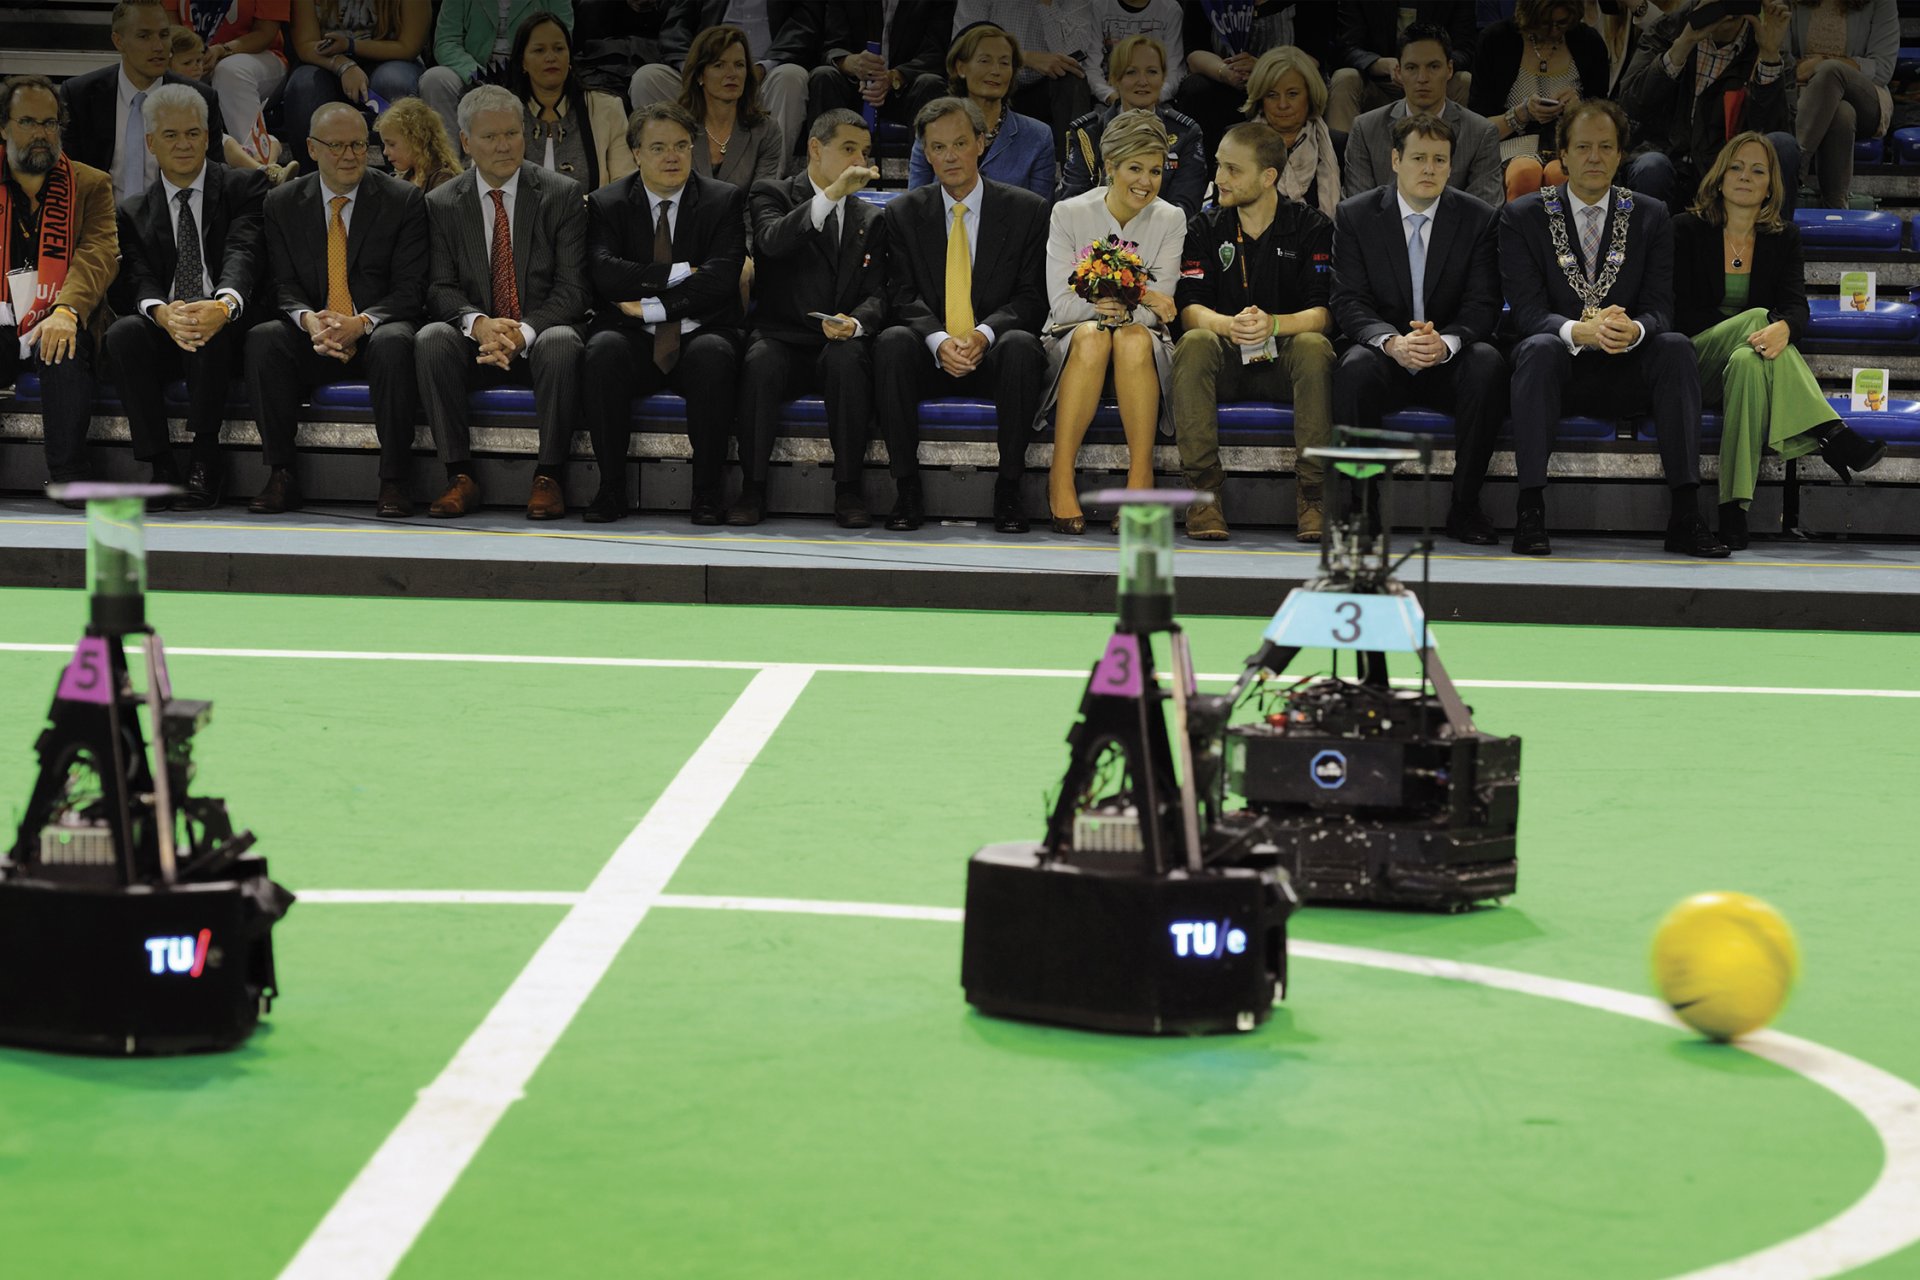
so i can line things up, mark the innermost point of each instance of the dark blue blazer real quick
(1021, 156)
(1537, 289)
(1373, 281)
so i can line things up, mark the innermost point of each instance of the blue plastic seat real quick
(1830, 321)
(1868, 151)
(1898, 423)
(1906, 142)
(353, 396)
(877, 198)
(1849, 228)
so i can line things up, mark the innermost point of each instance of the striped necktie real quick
(1590, 238)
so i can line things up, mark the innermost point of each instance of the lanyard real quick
(1240, 252)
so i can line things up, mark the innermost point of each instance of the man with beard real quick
(60, 248)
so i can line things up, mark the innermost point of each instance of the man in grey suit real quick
(509, 244)
(1425, 70)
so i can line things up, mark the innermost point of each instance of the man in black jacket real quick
(104, 125)
(348, 251)
(984, 341)
(665, 248)
(818, 250)
(907, 73)
(1687, 77)
(1366, 48)
(191, 254)
(1416, 286)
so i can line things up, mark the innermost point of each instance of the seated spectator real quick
(734, 139)
(893, 84)
(1532, 67)
(611, 38)
(664, 250)
(1019, 150)
(246, 60)
(1416, 289)
(1139, 66)
(347, 252)
(1115, 20)
(190, 62)
(1739, 292)
(1692, 85)
(416, 144)
(472, 45)
(1090, 343)
(514, 314)
(355, 51)
(1223, 39)
(821, 250)
(787, 34)
(1286, 92)
(1057, 43)
(100, 124)
(966, 288)
(1619, 23)
(1255, 279)
(1588, 271)
(191, 256)
(1843, 55)
(75, 253)
(1367, 42)
(571, 130)
(1425, 71)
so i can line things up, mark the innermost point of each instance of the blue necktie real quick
(1417, 264)
(132, 179)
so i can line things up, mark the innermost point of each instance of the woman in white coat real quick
(1093, 345)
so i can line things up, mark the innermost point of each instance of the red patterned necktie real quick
(506, 294)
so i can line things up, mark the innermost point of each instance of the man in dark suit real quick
(1416, 286)
(1588, 269)
(104, 126)
(984, 343)
(190, 255)
(509, 287)
(817, 248)
(1366, 42)
(348, 252)
(907, 73)
(666, 248)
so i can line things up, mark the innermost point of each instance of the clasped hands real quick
(1250, 327)
(1613, 331)
(960, 356)
(500, 340)
(191, 325)
(1420, 347)
(335, 335)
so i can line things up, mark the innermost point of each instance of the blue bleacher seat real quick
(1849, 229)
(873, 197)
(1868, 151)
(1898, 423)
(1906, 146)
(890, 133)
(1831, 321)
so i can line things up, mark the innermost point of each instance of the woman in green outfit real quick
(1740, 290)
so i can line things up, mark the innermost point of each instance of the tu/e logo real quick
(186, 954)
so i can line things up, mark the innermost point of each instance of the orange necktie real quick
(339, 297)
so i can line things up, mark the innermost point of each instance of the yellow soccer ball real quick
(1724, 962)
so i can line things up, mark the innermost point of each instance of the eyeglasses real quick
(25, 125)
(357, 147)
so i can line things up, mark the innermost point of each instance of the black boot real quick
(1733, 526)
(1847, 451)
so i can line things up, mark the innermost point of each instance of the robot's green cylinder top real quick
(117, 563)
(1146, 566)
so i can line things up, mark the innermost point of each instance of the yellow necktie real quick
(339, 297)
(959, 276)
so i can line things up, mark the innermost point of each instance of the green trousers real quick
(1207, 370)
(1768, 404)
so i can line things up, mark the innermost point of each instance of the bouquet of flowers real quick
(1111, 268)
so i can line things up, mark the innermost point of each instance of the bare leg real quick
(1137, 386)
(1078, 396)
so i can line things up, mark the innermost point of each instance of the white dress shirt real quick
(820, 208)
(971, 202)
(125, 182)
(652, 310)
(198, 203)
(1574, 205)
(1426, 242)
(511, 190)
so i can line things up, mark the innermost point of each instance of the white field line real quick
(376, 1220)
(1048, 673)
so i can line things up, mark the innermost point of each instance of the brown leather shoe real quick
(1312, 520)
(461, 498)
(546, 502)
(280, 494)
(1206, 522)
(394, 502)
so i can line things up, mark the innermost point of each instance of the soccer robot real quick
(133, 918)
(1152, 906)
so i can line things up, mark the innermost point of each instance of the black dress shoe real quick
(280, 495)
(708, 509)
(1733, 526)
(1689, 536)
(206, 486)
(1009, 516)
(1471, 526)
(750, 508)
(607, 506)
(850, 508)
(394, 502)
(909, 508)
(1530, 534)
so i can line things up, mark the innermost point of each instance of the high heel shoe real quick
(1069, 524)
(1847, 451)
(1733, 526)
(1114, 528)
